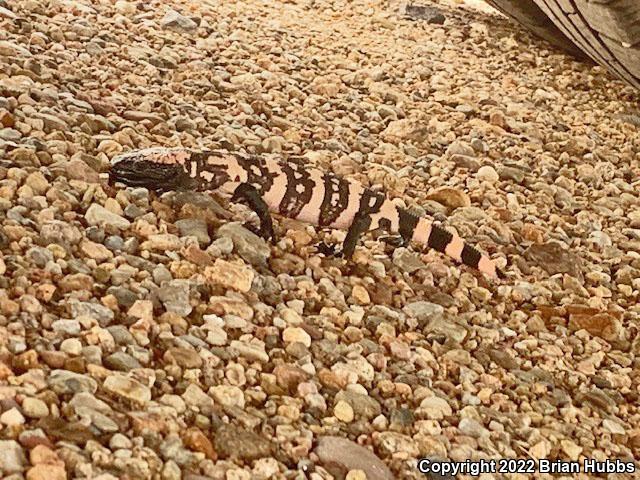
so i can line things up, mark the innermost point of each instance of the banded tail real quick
(424, 232)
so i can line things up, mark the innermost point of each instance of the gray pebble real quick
(121, 361)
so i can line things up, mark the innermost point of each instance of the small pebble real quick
(487, 173)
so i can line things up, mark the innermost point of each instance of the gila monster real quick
(292, 190)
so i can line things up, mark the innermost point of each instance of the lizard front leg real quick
(254, 200)
(360, 225)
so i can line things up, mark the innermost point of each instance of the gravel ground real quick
(145, 337)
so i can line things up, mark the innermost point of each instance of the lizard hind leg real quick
(360, 225)
(250, 195)
(394, 241)
(396, 235)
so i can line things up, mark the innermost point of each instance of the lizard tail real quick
(444, 241)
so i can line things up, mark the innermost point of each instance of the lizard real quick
(288, 188)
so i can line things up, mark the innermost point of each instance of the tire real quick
(528, 14)
(608, 31)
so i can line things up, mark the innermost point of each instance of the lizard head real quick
(158, 169)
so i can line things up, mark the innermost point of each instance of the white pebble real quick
(487, 174)
(72, 346)
(296, 334)
(12, 417)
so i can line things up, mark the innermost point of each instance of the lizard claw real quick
(329, 250)
(500, 274)
(252, 228)
(266, 233)
(393, 240)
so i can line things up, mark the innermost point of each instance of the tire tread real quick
(608, 31)
(529, 15)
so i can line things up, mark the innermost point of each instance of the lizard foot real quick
(266, 232)
(394, 241)
(328, 250)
